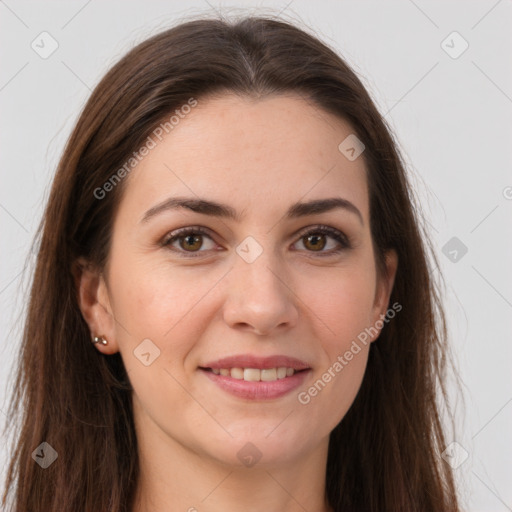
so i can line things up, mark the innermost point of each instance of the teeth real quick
(237, 373)
(281, 373)
(249, 374)
(255, 374)
(268, 374)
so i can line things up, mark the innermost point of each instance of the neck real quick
(195, 482)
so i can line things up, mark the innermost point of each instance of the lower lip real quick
(260, 390)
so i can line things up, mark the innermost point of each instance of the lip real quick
(250, 361)
(261, 390)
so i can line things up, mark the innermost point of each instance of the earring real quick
(99, 339)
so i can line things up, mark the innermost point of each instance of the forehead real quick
(255, 154)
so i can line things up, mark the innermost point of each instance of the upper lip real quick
(250, 361)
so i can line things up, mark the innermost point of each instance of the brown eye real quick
(315, 242)
(190, 242)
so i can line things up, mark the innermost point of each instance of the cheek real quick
(341, 310)
(343, 305)
(155, 300)
(344, 378)
(156, 306)
(169, 307)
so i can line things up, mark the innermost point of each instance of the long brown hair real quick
(385, 453)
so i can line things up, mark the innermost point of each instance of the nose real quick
(260, 297)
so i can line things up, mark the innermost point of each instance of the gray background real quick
(452, 117)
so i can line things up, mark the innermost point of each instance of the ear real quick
(383, 292)
(93, 301)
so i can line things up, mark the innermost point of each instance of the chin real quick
(250, 448)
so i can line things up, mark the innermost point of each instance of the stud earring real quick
(99, 339)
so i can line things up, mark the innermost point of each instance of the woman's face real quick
(261, 282)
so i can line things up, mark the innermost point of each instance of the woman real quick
(232, 307)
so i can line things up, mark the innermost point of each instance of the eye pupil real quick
(189, 245)
(315, 244)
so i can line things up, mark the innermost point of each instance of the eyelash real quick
(340, 237)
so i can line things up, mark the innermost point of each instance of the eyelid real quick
(326, 230)
(339, 236)
(180, 232)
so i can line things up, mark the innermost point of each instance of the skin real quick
(259, 157)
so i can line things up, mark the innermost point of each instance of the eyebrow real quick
(215, 209)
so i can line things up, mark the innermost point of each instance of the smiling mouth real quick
(255, 374)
